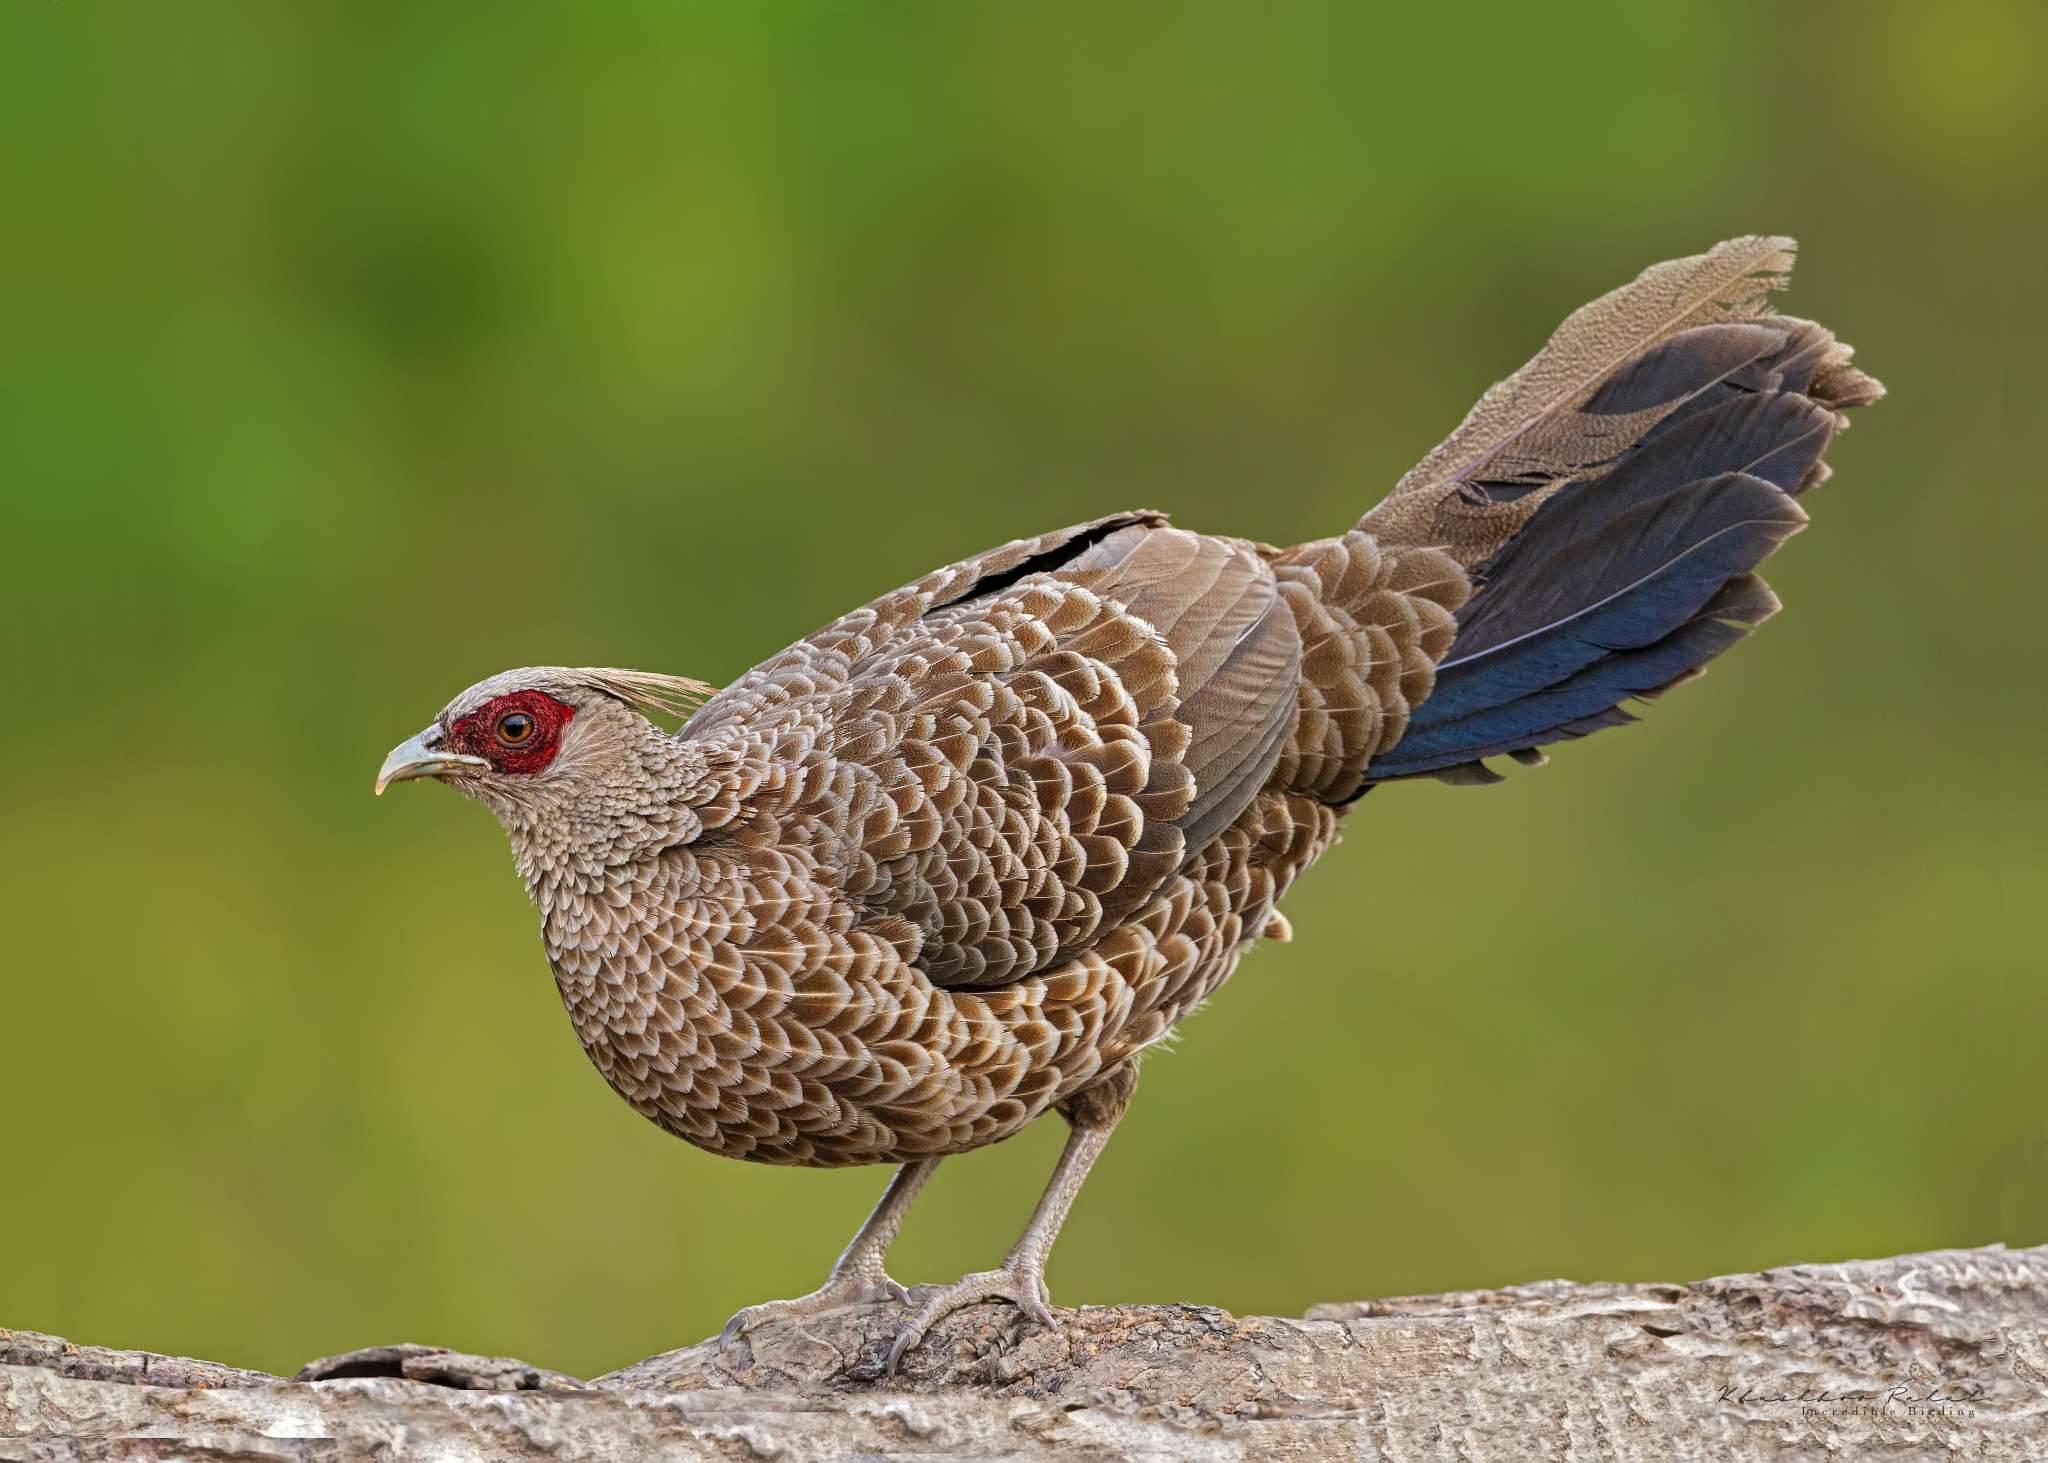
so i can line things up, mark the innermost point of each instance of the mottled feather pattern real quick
(969, 848)
(962, 856)
(944, 880)
(959, 857)
(1373, 625)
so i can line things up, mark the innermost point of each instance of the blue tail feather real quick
(1632, 577)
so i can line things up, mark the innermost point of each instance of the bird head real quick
(567, 757)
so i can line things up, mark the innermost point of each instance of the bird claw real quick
(1021, 1285)
(841, 1291)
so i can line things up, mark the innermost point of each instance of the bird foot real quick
(1020, 1284)
(853, 1288)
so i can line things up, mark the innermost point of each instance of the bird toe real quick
(836, 1294)
(1023, 1286)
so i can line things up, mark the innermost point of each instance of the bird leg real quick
(1093, 1114)
(859, 1275)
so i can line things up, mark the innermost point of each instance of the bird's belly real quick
(810, 1042)
(904, 1070)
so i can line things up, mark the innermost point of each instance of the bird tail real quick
(1611, 501)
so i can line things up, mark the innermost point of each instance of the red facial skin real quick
(478, 732)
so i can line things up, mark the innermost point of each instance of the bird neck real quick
(650, 799)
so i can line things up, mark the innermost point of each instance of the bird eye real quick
(515, 728)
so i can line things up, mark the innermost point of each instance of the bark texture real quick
(1931, 1356)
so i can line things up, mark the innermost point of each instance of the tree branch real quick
(1921, 1356)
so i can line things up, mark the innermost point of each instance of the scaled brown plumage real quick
(964, 854)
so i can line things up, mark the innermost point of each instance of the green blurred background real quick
(355, 352)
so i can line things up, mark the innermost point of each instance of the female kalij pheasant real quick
(966, 853)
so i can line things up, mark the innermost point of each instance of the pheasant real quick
(967, 853)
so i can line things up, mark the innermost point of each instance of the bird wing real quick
(1009, 757)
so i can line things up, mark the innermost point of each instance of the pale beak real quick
(422, 756)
